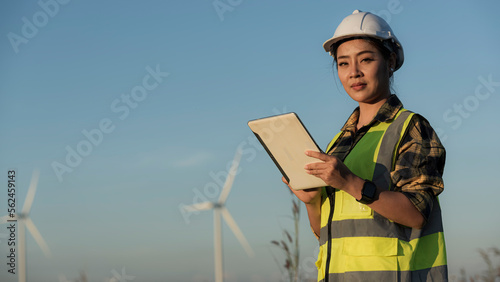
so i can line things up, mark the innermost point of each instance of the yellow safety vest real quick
(358, 244)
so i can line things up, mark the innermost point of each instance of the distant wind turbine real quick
(24, 221)
(220, 208)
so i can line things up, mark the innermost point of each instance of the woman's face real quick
(363, 71)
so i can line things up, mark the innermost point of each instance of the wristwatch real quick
(368, 193)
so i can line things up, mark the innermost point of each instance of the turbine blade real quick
(230, 177)
(237, 232)
(199, 207)
(38, 237)
(31, 192)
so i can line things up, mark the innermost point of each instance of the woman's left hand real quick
(332, 170)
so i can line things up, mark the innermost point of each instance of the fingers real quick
(318, 155)
(284, 180)
(325, 169)
(318, 169)
(316, 166)
(316, 172)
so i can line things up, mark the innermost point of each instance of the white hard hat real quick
(366, 24)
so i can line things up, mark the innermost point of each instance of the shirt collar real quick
(386, 112)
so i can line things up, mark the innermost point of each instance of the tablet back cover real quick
(286, 139)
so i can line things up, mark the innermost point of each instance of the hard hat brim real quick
(328, 44)
(399, 52)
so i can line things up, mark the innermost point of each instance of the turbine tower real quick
(24, 221)
(220, 209)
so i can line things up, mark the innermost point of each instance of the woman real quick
(379, 219)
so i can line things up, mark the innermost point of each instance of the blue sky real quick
(75, 66)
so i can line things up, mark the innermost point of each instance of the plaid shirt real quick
(420, 159)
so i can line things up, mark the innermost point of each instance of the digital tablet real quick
(286, 139)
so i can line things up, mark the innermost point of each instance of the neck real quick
(367, 111)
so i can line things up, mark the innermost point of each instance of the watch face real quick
(369, 189)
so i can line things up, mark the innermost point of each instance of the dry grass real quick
(289, 246)
(492, 274)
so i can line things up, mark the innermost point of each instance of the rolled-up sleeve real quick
(418, 171)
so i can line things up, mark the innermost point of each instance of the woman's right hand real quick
(308, 196)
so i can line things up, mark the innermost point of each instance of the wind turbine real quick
(220, 209)
(24, 221)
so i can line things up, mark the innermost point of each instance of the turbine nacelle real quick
(218, 205)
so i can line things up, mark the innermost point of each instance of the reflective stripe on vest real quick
(429, 274)
(366, 246)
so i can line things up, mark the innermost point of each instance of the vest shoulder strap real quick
(330, 145)
(389, 145)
